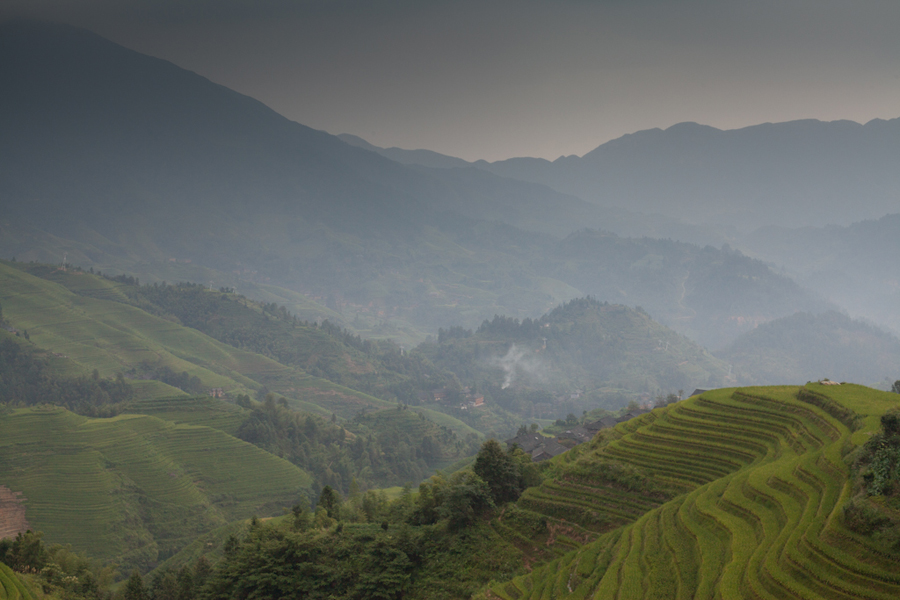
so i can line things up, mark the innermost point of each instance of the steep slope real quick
(805, 347)
(11, 587)
(795, 173)
(735, 493)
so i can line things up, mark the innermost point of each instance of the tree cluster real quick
(26, 379)
(62, 571)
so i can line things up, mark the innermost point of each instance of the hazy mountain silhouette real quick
(549, 207)
(425, 158)
(805, 347)
(94, 132)
(130, 163)
(855, 266)
(795, 173)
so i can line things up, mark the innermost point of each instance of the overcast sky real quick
(495, 79)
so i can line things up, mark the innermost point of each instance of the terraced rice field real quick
(93, 328)
(134, 487)
(198, 410)
(10, 586)
(757, 479)
(113, 337)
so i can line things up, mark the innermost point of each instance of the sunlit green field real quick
(756, 480)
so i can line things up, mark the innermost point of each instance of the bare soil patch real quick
(12, 513)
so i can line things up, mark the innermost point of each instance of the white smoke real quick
(517, 363)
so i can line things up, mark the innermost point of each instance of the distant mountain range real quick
(792, 174)
(127, 163)
(806, 347)
(855, 266)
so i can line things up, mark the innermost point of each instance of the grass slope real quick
(11, 588)
(93, 329)
(199, 410)
(736, 493)
(136, 488)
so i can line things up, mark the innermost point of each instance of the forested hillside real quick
(582, 355)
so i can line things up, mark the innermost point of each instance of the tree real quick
(896, 387)
(134, 588)
(27, 551)
(499, 471)
(890, 423)
(465, 499)
(164, 586)
(330, 500)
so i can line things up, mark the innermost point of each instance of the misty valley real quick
(242, 358)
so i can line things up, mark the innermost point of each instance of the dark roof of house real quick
(697, 392)
(632, 414)
(527, 441)
(604, 423)
(579, 433)
(548, 449)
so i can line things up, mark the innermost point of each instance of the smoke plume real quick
(518, 363)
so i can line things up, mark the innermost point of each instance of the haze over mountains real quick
(127, 163)
(790, 174)
(214, 319)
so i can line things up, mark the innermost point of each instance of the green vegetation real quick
(26, 377)
(734, 493)
(136, 489)
(11, 587)
(582, 355)
(744, 494)
(876, 491)
(55, 570)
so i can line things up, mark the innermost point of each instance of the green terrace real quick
(135, 488)
(736, 493)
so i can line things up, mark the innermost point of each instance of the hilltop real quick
(790, 174)
(738, 493)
